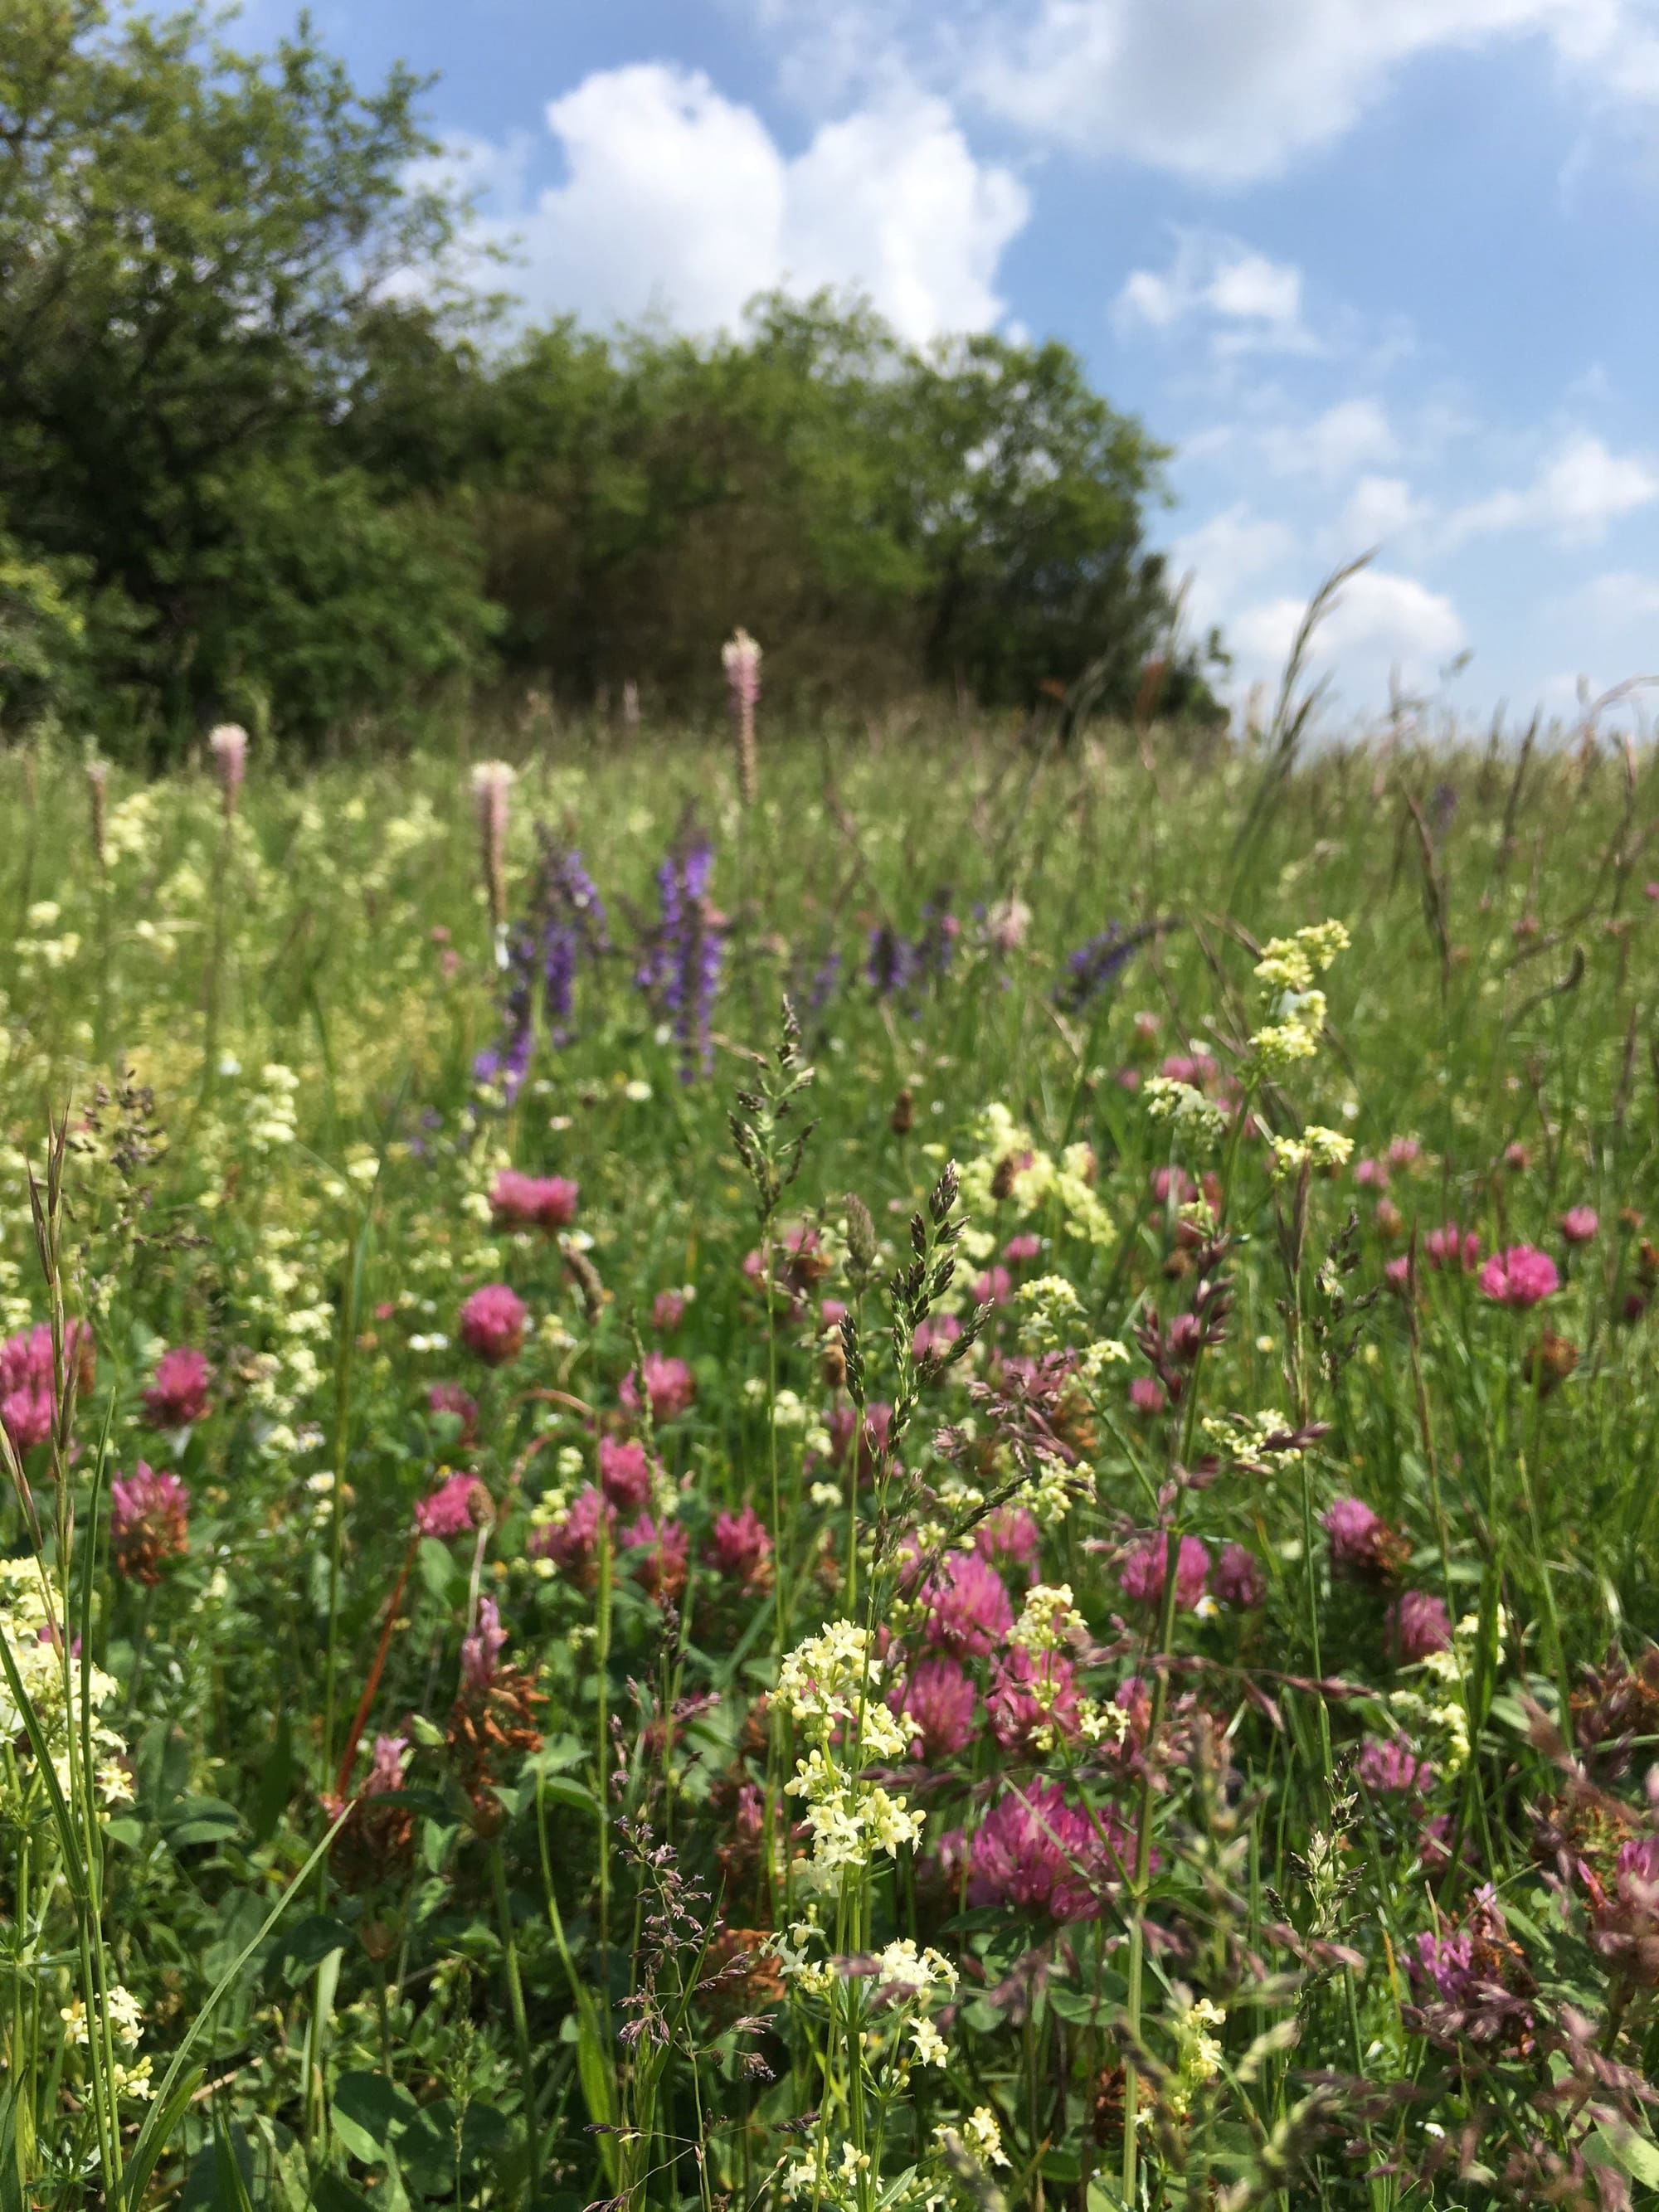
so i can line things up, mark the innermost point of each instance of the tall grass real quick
(1019, 1607)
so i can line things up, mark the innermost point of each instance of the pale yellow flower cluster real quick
(831, 1685)
(1316, 1147)
(998, 1141)
(54, 1691)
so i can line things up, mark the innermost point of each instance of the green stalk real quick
(520, 2018)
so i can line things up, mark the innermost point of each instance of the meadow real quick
(899, 1469)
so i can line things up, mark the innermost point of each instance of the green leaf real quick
(1638, 2154)
(371, 2115)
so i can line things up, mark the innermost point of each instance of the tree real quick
(194, 246)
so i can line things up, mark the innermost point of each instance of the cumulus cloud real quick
(1577, 491)
(1230, 550)
(1346, 437)
(1381, 621)
(1378, 508)
(1220, 94)
(679, 202)
(1253, 302)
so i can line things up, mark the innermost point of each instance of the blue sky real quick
(1384, 272)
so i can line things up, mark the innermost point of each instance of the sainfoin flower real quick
(493, 1323)
(1147, 1394)
(178, 1396)
(669, 1384)
(480, 1651)
(968, 1607)
(1417, 1626)
(1034, 1850)
(228, 745)
(149, 1522)
(938, 1701)
(525, 1201)
(452, 1507)
(1520, 1276)
(741, 1549)
(386, 1768)
(1143, 1571)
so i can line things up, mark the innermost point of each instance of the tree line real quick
(262, 455)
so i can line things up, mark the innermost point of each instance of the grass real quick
(1272, 1605)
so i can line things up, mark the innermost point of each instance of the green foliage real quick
(1241, 1192)
(190, 242)
(254, 446)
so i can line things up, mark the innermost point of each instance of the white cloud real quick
(1219, 91)
(678, 201)
(1378, 509)
(1577, 493)
(1224, 554)
(1381, 621)
(1256, 302)
(1614, 600)
(1335, 444)
(1226, 94)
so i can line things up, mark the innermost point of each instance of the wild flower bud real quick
(902, 1119)
(741, 657)
(491, 782)
(229, 745)
(861, 1233)
(98, 794)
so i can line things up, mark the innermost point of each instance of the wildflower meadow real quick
(836, 1468)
